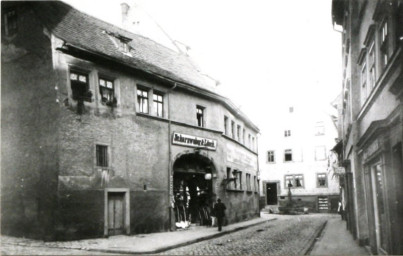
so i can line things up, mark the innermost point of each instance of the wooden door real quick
(116, 213)
(271, 192)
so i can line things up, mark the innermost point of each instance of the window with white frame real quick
(371, 66)
(288, 181)
(321, 180)
(102, 155)
(384, 43)
(238, 133)
(158, 104)
(107, 91)
(80, 86)
(200, 116)
(287, 133)
(363, 82)
(254, 183)
(243, 136)
(233, 129)
(142, 100)
(248, 184)
(288, 155)
(230, 183)
(270, 156)
(225, 125)
(253, 144)
(294, 181)
(238, 179)
(299, 181)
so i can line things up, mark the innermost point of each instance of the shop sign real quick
(339, 170)
(239, 156)
(193, 141)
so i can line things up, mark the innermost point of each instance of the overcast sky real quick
(267, 54)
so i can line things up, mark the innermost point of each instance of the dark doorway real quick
(192, 190)
(271, 192)
(116, 213)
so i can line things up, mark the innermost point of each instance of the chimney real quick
(125, 15)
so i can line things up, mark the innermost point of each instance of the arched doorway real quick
(192, 189)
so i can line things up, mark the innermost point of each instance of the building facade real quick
(294, 156)
(107, 132)
(371, 117)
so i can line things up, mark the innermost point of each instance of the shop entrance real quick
(192, 190)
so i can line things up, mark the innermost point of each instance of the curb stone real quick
(166, 248)
(313, 239)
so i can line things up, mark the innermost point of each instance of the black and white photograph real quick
(189, 127)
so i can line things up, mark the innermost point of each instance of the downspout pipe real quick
(258, 174)
(170, 172)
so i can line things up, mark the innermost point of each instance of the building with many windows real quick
(107, 132)
(371, 115)
(294, 155)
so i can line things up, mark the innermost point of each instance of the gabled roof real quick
(89, 33)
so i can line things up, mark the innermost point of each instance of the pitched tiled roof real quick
(93, 35)
(89, 33)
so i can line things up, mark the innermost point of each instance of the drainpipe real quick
(170, 174)
(258, 174)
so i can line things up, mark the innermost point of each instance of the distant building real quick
(106, 132)
(294, 152)
(371, 120)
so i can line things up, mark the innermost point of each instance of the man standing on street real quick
(219, 210)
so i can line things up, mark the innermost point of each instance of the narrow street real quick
(287, 235)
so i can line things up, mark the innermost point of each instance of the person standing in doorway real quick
(219, 211)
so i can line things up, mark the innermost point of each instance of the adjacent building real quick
(107, 132)
(294, 156)
(371, 115)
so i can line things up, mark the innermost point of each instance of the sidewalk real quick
(336, 240)
(143, 243)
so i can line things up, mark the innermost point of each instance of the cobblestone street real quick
(11, 249)
(289, 235)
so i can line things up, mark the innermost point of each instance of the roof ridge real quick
(84, 31)
(117, 27)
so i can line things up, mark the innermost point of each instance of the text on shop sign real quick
(193, 141)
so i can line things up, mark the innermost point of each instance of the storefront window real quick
(379, 205)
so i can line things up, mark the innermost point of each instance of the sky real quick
(267, 54)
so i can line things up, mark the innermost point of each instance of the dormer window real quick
(124, 47)
(120, 42)
(124, 43)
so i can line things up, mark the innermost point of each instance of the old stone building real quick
(371, 116)
(294, 156)
(107, 132)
